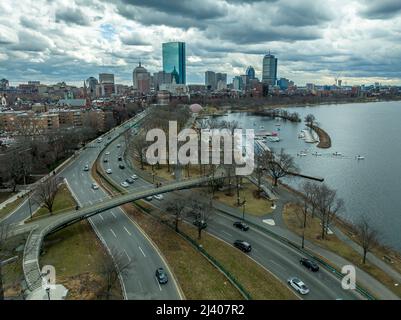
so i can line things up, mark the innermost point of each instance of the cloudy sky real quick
(315, 41)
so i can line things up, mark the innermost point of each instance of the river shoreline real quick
(324, 138)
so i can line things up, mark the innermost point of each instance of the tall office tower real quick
(250, 72)
(269, 74)
(221, 81)
(174, 58)
(106, 78)
(91, 84)
(141, 79)
(210, 80)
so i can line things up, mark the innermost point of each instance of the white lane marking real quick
(113, 233)
(101, 217)
(142, 251)
(113, 214)
(276, 264)
(230, 235)
(129, 259)
(127, 231)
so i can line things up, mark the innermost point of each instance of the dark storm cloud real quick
(305, 13)
(382, 9)
(205, 9)
(73, 16)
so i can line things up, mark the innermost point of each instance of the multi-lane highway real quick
(117, 232)
(278, 258)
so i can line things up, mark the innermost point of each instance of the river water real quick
(370, 187)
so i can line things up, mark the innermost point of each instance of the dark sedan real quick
(241, 225)
(311, 265)
(161, 276)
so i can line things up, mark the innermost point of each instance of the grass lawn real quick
(254, 206)
(63, 202)
(261, 284)
(77, 255)
(10, 207)
(293, 221)
(197, 277)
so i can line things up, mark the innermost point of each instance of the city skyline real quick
(326, 41)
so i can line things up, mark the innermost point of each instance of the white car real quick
(119, 146)
(158, 196)
(134, 177)
(298, 285)
(95, 186)
(107, 153)
(108, 171)
(86, 168)
(124, 184)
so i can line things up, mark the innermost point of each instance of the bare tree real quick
(368, 236)
(177, 208)
(46, 193)
(113, 266)
(202, 212)
(328, 205)
(279, 165)
(310, 119)
(138, 145)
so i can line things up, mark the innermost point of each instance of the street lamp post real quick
(48, 293)
(243, 210)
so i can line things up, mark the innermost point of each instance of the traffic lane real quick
(282, 260)
(140, 281)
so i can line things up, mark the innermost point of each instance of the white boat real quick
(273, 139)
(360, 158)
(302, 154)
(277, 124)
(301, 135)
(337, 154)
(317, 154)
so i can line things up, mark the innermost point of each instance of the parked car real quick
(119, 146)
(105, 160)
(95, 186)
(200, 224)
(121, 166)
(241, 225)
(108, 171)
(86, 168)
(243, 245)
(134, 176)
(298, 285)
(124, 184)
(129, 180)
(161, 276)
(107, 153)
(311, 265)
(99, 140)
(158, 197)
(120, 158)
(149, 198)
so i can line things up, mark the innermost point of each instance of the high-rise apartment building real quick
(269, 73)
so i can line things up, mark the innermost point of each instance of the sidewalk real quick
(13, 198)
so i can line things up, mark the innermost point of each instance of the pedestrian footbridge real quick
(48, 225)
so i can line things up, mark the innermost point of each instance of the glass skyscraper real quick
(174, 58)
(269, 73)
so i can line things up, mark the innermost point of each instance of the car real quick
(121, 166)
(158, 197)
(311, 265)
(298, 285)
(107, 153)
(119, 146)
(108, 171)
(95, 186)
(161, 276)
(99, 140)
(134, 176)
(200, 224)
(242, 245)
(241, 225)
(124, 184)
(149, 198)
(86, 168)
(120, 158)
(129, 180)
(105, 160)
